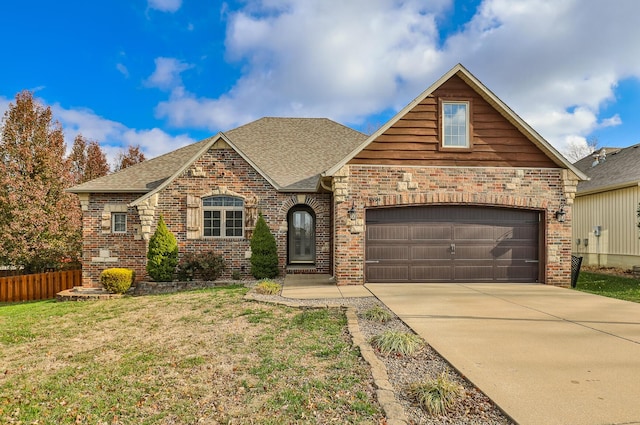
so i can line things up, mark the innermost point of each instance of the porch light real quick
(560, 214)
(352, 211)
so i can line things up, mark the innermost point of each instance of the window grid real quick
(119, 222)
(455, 124)
(223, 216)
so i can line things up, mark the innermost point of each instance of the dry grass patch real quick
(196, 357)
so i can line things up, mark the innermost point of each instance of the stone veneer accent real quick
(102, 249)
(366, 187)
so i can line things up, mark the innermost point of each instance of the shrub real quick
(163, 254)
(394, 342)
(264, 252)
(211, 266)
(206, 266)
(438, 395)
(378, 314)
(117, 280)
(235, 275)
(187, 267)
(268, 287)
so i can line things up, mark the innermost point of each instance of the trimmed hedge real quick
(117, 280)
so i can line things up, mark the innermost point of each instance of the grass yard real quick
(609, 285)
(195, 357)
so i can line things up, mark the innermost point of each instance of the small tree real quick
(88, 160)
(131, 156)
(163, 254)
(264, 252)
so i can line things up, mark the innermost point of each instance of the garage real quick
(452, 244)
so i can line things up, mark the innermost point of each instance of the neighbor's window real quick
(119, 222)
(455, 124)
(223, 216)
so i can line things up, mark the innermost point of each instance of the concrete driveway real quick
(545, 355)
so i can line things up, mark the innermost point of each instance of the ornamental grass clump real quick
(395, 342)
(437, 396)
(377, 314)
(163, 254)
(268, 287)
(117, 280)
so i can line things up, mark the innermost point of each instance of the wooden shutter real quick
(194, 217)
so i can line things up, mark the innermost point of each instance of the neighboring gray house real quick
(605, 220)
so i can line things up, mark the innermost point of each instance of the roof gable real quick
(540, 153)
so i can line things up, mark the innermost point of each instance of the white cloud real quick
(114, 136)
(122, 69)
(344, 60)
(555, 63)
(165, 5)
(167, 73)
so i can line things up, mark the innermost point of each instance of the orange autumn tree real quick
(126, 158)
(39, 221)
(87, 160)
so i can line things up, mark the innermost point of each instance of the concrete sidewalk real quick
(544, 355)
(319, 286)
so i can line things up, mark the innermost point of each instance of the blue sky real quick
(164, 73)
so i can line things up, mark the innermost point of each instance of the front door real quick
(302, 241)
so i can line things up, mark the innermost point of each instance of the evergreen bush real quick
(117, 280)
(264, 252)
(163, 254)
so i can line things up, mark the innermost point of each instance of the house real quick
(605, 227)
(454, 188)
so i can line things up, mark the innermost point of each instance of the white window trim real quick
(113, 222)
(467, 126)
(223, 217)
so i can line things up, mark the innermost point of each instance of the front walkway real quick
(319, 286)
(545, 355)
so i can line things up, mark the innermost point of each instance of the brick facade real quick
(544, 190)
(217, 172)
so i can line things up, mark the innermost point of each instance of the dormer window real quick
(455, 124)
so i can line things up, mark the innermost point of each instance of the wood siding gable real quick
(415, 138)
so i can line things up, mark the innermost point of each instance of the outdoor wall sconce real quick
(352, 211)
(586, 242)
(560, 214)
(578, 241)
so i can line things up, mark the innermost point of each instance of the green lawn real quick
(194, 357)
(623, 288)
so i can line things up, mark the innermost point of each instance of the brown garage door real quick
(452, 244)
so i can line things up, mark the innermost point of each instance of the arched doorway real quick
(302, 235)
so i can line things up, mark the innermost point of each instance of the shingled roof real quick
(290, 152)
(620, 168)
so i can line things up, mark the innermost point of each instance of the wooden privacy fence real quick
(41, 286)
